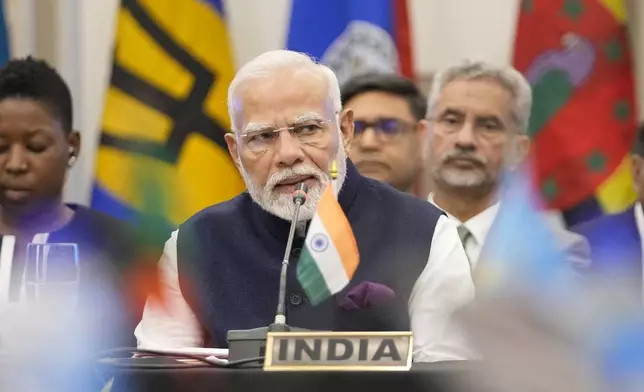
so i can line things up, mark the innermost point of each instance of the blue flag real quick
(4, 37)
(522, 259)
(521, 253)
(353, 36)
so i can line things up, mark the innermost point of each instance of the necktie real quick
(465, 235)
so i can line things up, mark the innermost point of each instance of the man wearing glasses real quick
(390, 128)
(221, 268)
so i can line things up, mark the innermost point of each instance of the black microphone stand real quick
(299, 197)
(251, 343)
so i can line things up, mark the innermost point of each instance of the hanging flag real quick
(165, 112)
(330, 254)
(576, 56)
(5, 53)
(353, 36)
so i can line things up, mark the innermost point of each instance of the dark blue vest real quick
(229, 258)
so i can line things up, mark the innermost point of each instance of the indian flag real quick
(330, 255)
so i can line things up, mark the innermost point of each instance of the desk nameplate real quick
(347, 351)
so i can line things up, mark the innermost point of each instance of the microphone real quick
(299, 198)
(251, 343)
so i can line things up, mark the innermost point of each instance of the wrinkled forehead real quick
(282, 97)
(478, 97)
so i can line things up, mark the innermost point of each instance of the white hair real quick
(280, 204)
(275, 60)
(506, 76)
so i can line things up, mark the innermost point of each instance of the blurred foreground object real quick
(594, 345)
(48, 346)
(151, 231)
(538, 324)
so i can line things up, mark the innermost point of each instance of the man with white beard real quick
(221, 268)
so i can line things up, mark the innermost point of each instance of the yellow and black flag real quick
(162, 146)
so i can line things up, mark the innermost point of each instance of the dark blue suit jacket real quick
(615, 246)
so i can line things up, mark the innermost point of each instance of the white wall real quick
(443, 32)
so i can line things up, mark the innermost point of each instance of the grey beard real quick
(281, 205)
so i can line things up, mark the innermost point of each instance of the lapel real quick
(625, 247)
(627, 236)
(616, 248)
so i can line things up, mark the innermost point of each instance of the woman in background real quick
(37, 148)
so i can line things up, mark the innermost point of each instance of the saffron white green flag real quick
(330, 254)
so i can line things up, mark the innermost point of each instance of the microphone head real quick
(300, 192)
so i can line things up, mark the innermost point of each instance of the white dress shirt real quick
(478, 226)
(639, 221)
(444, 286)
(7, 254)
(14, 315)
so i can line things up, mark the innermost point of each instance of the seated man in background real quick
(478, 118)
(390, 126)
(37, 148)
(221, 268)
(616, 240)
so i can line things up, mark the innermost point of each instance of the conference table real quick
(432, 377)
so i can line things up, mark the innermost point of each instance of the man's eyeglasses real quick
(311, 132)
(384, 127)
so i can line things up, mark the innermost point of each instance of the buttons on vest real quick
(295, 252)
(296, 299)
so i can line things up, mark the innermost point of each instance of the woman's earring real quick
(72, 157)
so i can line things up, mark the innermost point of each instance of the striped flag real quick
(577, 57)
(330, 254)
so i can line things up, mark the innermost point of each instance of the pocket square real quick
(367, 295)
